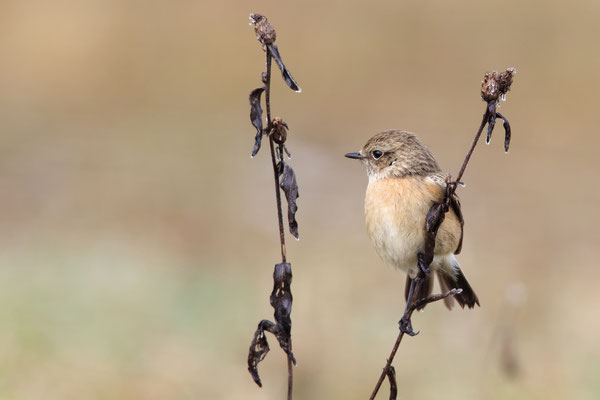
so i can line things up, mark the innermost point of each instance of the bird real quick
(405, 180)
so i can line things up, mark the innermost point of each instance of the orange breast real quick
(395, 211)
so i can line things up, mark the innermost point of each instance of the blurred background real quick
(138, 238)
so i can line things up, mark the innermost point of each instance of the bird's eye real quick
(377, 154)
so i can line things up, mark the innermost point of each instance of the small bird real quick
(404, 181)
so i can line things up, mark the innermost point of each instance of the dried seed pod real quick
(505, 80)
(495, 85)
(279, 130)
(265, 33)
(489, 87)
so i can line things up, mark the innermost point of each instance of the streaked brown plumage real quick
(404, 181)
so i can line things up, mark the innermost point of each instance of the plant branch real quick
(484, 121)
(274, 157)
(285, 180)
(278, 199)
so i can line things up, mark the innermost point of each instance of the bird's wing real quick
(440, 179)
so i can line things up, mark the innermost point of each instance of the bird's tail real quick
(453, 278)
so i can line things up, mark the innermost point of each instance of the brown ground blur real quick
(137, 238)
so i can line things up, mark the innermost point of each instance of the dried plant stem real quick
(274, 157)
(468, 157)
(285, 181)
(290, 365)
(407, 314)
(278, 198)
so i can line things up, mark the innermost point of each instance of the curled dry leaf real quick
(435, 217)
(491, 120)
(281, 301)
(285, 73)
(290, 187)
(256, 117)
(506, 131)
(259, 348)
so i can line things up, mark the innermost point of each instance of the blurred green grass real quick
(137, 237)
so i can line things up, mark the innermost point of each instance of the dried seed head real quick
(265, 33)
(489, 87)
(496, 84)
(279, 130)
(505, 80)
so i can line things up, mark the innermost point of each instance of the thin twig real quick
(278, 198)
(273, 157)
(484, 120)
(290, 364)
(434, 297)
(407, 315)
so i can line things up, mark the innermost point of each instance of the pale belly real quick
(395, 211)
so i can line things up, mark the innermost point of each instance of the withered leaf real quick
(281, 301)
(290, 187)
(506, 132)
(506, 135)
(259, 348)
(256, 117)
(285, 73)
(491, 120)
(435, 217)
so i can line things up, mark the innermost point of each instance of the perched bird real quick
(404, 181)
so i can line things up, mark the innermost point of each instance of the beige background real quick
(137, 237)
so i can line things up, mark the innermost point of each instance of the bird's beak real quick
(356, 156)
